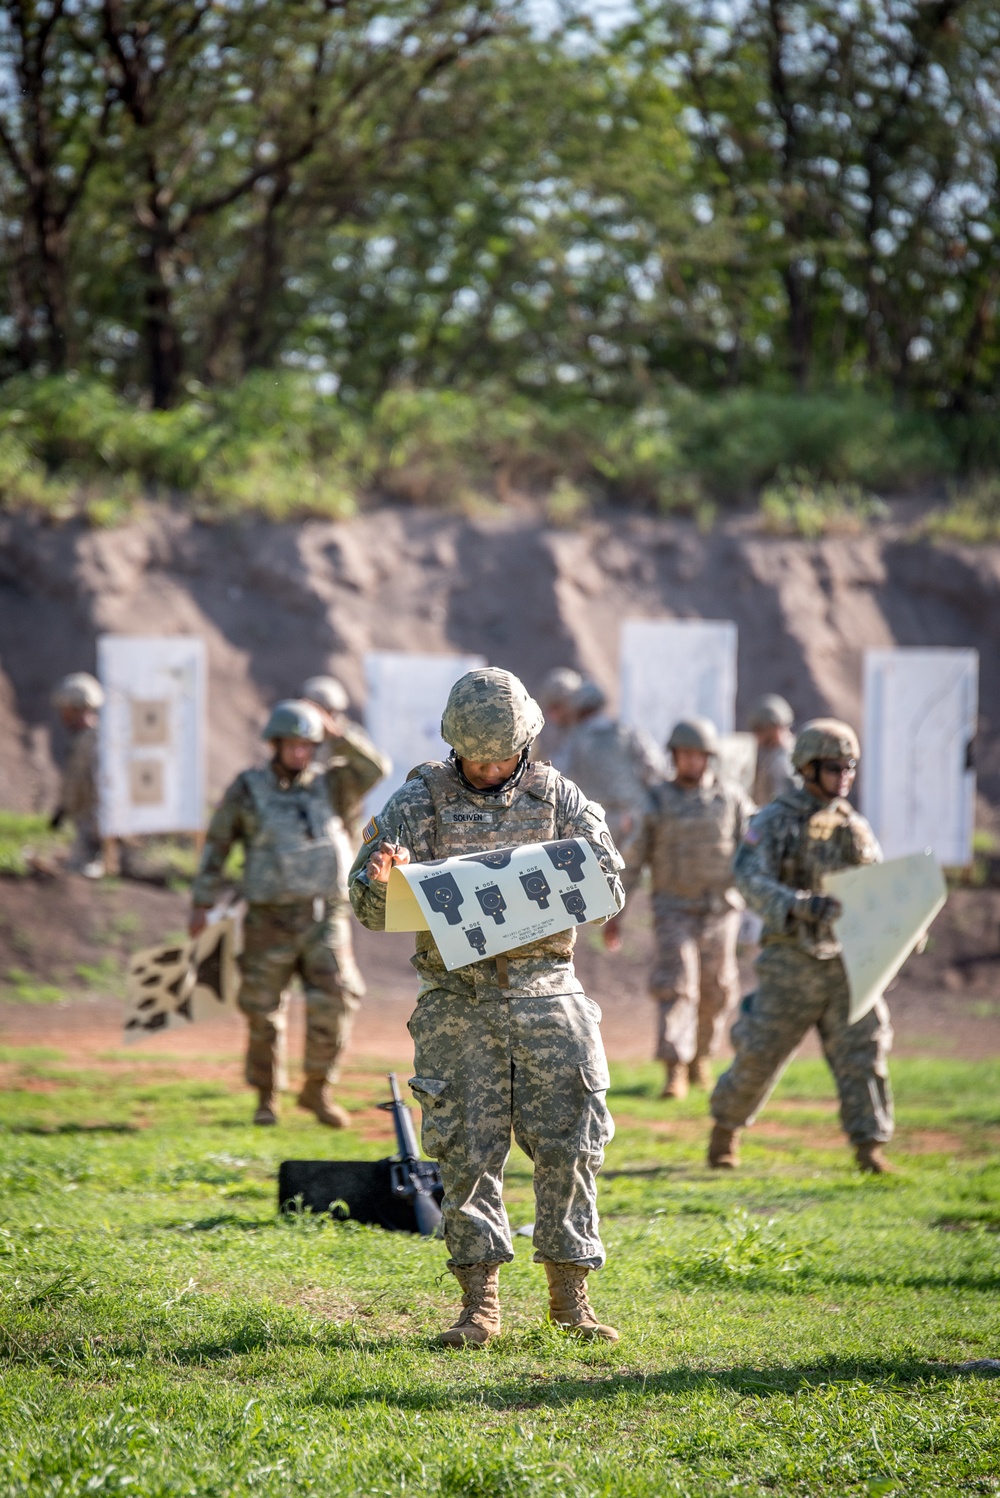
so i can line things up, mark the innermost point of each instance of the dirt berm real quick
(276, 603)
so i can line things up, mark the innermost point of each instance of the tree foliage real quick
(793, 194)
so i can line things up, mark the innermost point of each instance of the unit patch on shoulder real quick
(371, 831)
(453, 815)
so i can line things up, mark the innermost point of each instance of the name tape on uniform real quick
(481, 904)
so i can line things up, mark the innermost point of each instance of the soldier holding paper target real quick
(505, 1042)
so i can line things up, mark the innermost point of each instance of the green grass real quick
(790, 1329)
(21, 835)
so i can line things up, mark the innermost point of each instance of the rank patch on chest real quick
(452, 815)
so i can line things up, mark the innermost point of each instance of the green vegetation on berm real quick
(793, 1329)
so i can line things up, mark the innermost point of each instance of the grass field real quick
(792, 1329)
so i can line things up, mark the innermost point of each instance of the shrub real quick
(797, 507)
(973, 513)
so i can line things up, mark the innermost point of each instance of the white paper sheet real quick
(152, 734)
(672, 668)
(887, 909)
(406, 697)
(738, 758)
(481, 904)
(918, 788)
(177, 984)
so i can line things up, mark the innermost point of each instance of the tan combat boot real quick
(569, 1307)
(724, 1148)
(266, 1112)
(871, 1159)
(676, 1084)
(314, 1099)
(479, 1322)
(700, 1073)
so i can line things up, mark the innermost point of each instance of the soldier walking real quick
(687, 841)
(78, 700)
(507, 1043)
(295, 885)
(611, 764)
(771, 725)
(806, 833)
(555, 698)
(347, 753)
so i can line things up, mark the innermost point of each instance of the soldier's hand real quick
(380, 865)
(611, 935)
(198, 920)
(332, 722)
(823, 908)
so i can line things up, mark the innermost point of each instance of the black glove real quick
(822, 908)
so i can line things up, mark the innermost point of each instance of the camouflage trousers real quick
(534, 1067)
(695, 978)
(280, 941)
(796, 992)
(87, 847)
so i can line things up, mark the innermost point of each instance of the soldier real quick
(78, 699)
(349, 754)
(611, 764)
(295, 885)
(688, 839)
(809, 831)
(771, 725)
(555, 697)
(505, 1042)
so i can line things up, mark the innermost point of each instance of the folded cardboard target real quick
(481, 904)
(179, 983)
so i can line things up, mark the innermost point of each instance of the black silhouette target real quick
(474, 936)
(499, 859)
(575, 904)
(536, 887)
(567, 855)
(444, 895)
(493, 903)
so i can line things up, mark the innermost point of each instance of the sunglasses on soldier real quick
(837, 766)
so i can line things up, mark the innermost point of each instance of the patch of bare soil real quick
(77, 935)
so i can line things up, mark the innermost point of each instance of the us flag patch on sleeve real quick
(371, 831)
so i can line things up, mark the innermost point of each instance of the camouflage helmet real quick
(695, 733)
(771, 711)
(558, 686)
(79, 689)
(294, 719)
(588, 697)
(825, 738)
(327, 691)
(489, 716)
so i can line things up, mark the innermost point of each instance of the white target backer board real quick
(406, 695)
(152, 734)
(918, 787)
(673, 668)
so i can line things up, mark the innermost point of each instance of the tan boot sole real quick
(335, 1118)
(265, 1117)
(596, 1333)
(474, 1337)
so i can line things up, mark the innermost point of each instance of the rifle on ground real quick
(412, 1179)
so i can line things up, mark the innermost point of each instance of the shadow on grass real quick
(561, 1392)
(644, 1172)
(221, 1220)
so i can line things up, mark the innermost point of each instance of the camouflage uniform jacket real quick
(78, 790)
(296, 848)
(688, 840)
(774, 773)
(354, 766)
(784, 855)
(439, 818)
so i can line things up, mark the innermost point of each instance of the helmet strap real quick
(492, 790)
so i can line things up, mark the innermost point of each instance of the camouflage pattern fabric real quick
(78, 797)
(774, 773)
(616, 767)
(534, 1065)
(796, 992)
(789, 847)
(503, 1044)
(280, 941)
(695, 979)
(353, 767)
(688, 838)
